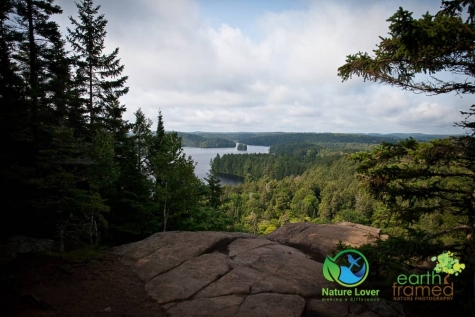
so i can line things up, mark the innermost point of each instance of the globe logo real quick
(348, 268)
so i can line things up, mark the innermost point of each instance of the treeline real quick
(416, 136)
(72, 168)
(193, 140)
(329, 140)
(289, 159)
(280, 138)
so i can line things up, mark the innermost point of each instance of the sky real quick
(264, 66)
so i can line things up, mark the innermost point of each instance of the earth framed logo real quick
(350, 275)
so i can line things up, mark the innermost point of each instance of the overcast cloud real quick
(263, 66)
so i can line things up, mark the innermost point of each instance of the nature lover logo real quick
(349, 268)
(350, 275)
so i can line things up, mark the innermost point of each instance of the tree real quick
(98, 74)
(13, 126)
(215, 189)
(431, 45)
(37, 97)
(142, 139)
(133, 213)
(416, 179)
(37, 34)
(176, 187)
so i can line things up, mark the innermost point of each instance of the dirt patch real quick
(34, 285)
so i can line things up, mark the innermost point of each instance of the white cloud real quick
(218, 78)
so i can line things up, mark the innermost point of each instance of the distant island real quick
(242, 147)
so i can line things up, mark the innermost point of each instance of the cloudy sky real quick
(263, 65)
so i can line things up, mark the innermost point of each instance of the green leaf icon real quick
(331, 270)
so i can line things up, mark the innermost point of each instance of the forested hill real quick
(417, 136)
(194, 140)
(327, 139)
(280, 138)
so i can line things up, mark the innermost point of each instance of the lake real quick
(203, 156)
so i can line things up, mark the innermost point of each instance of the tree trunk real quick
(33, 72)
(165, 213)
(165, 216)
(90, 228)
(90, 105)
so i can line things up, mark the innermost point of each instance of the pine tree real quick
(32, 47)
(14, 125)
(98, 74)
(215, 189)
(419, 180)
(38, 34)
(134, 214)
(176, 187)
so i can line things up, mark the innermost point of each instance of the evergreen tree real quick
(429, 45)
(38, 34)
(415, 180)
(97, 74)
(176, 187)
(215, 189)
(133, 214)
(14, 123)
(34, 49)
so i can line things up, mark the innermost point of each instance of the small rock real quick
(108, 309)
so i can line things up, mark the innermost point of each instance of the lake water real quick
(203, 156)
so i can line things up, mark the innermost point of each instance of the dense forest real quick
(283, 160)
(73, 169)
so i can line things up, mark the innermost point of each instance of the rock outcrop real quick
(22, 244)
(320, 240)
(237, 274)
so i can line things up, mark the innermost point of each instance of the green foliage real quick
(322, 194)
(428, 46)
(206, 219)
(214, 190)
(426, 186)
(269, 165)
(98, 76)
(414, 178)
